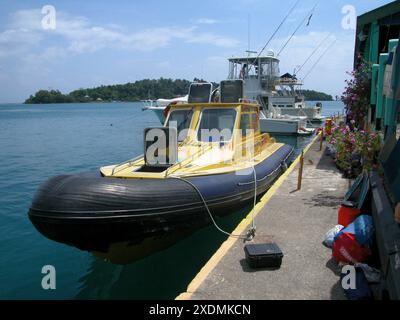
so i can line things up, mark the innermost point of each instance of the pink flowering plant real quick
(355, 150)
(357, 93)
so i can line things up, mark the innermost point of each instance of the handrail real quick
(243, 100)
(126, 162)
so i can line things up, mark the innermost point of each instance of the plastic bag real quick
(331, 234)
(353, 243)
(371, 274)
(362, 290)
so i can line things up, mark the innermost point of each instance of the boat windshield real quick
(180, 119)
(216, 125)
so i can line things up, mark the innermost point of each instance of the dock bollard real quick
(300, 177)
(321, 140)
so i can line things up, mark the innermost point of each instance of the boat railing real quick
(148, 104)
(309, 123)
(128, 162)
(191, 158)
(245, 100)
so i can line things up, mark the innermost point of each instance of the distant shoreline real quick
(135, 92)
(138, 101)
(116, 102)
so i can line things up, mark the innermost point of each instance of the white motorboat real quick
(158, 106)
(285, 124)
(279, 96)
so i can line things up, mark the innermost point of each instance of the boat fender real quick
(284, 166)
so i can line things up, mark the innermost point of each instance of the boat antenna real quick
(312, 53)
(319, 59)
(308, 16)
(248, 32)
(275, 32)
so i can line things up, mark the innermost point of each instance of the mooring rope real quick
(250, 234)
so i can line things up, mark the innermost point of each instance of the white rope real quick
(251, 232)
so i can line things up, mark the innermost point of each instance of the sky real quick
(96, 43)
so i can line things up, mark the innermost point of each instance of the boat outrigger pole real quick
(308, 16)
(274, 34)
(312, 53)
(318, 60)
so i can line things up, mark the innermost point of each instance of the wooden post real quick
(300, 176)
(321, 140)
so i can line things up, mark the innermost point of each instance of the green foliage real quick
(49, 96)
(139, 90)
(355, 149)
(311, 95)
(357, 94)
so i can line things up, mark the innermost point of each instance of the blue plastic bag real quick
(362, 228)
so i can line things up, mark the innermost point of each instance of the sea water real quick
(40, 141)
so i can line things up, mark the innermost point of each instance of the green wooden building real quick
(377, 41)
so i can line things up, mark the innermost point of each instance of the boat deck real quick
(297, 221)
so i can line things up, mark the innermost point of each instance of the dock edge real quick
(228, 243)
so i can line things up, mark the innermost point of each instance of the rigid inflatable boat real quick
(146, 197)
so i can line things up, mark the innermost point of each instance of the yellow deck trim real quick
(224, 248)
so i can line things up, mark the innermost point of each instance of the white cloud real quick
(210, 38)
(79, 35)
(206, 21)
(14, 41)
(164, 64)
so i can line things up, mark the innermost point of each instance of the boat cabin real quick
(262, 82)
(201, 136)
(259, 74)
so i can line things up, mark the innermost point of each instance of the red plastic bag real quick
(346, 249)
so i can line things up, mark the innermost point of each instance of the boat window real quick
(289, 106)
(216, 125)
(266, 69)
(281, 106)
(255, 122)
(181, 120)
(245, 123)
(275, 68)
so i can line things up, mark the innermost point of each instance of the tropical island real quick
(134, 91)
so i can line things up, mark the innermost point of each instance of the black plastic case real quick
(263, 255)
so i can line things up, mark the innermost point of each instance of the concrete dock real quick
(297, 220)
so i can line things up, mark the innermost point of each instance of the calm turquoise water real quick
(40, 141)
(329, 107)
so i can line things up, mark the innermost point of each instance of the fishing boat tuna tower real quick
(283, 108)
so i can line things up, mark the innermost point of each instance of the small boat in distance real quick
(217, 160)
(158, 106)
